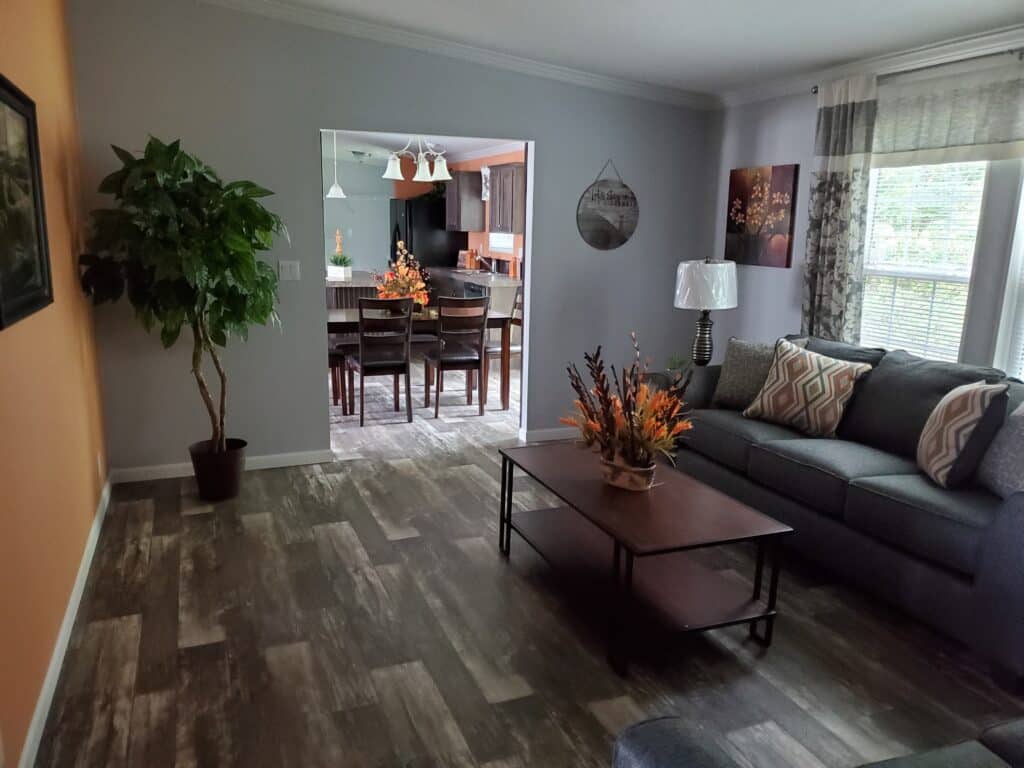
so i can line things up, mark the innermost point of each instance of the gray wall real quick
(249, 94)
(772, 132)
(364, 216)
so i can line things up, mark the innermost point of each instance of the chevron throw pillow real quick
(806, 391)
(959, 431)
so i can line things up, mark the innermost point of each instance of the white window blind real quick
(922, 227)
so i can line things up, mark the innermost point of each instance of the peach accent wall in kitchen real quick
(478, 240)
(52, 459)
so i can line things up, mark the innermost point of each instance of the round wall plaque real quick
(607, 214)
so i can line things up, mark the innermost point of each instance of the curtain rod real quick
(1018, 52)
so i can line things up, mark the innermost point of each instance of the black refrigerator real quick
(420, 222)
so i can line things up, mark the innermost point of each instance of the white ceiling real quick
(696, 45)
(377, 146)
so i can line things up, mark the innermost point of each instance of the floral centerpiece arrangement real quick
(405, 279)
(627, 420)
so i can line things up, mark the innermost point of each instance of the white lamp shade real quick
(394, 169)
(422, 169)
(706, 285)
(335, 192)
(441, 169)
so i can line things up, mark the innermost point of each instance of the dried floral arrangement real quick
(628, 420)
(405, 279)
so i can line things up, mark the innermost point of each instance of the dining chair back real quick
(385, 333)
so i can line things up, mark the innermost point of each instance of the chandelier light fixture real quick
(422, 158)
(335, 192)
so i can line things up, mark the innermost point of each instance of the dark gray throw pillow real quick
(893, 404)
(1002, 469)
(840, 350)
(744, 371)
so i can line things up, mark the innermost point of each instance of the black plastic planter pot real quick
(218, 475)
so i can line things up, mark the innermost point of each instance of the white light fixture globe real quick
(422, 169)
(394, 169)
(441, 169)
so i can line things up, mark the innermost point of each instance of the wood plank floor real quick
(357, 613)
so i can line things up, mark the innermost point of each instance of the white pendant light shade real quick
(422, 169)
(394, 169)
(441, 169)
(335, 192)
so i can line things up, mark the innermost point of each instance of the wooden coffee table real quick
(601, 530)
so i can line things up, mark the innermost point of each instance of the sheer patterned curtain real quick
(834, 265)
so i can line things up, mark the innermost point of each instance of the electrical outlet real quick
(288, 270)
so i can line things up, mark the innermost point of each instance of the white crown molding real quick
(476, 154)
(945, 52)
(335, 22)
(60, 646)
(184, 469)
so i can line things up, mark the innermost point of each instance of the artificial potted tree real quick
(183, 245)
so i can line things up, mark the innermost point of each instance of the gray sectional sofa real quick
(664, 742)
(953, 559)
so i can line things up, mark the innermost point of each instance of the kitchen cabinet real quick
(464, 210)
(508, 198)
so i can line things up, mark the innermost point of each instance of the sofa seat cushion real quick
(912, 513)
(970, 754)
(817, 472)
(1007, 741)
(726, 436)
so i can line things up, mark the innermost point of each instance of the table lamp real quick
(704, 286)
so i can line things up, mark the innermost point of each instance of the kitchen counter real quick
(477, 277)
(360, 279)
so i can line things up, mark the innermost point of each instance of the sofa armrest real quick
(702, 385)
(1007, 741)
(663, 742)
(999, 586)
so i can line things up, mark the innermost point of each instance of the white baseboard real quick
(42, 711)
(540, 435)
(184, 469)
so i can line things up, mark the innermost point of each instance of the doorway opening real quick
(461, 208)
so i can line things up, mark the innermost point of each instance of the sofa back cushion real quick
(806, 391)
(840, 350)
(895, 401)
(959, 431)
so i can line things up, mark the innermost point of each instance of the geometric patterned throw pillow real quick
(1002, 469)
(806, 391)
(959, 431)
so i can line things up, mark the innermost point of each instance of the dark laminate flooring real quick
(357, 613)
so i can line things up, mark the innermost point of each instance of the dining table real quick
(425, 321)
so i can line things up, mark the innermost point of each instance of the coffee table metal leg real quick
(618, 652)
(501, 505)
(773, 593)
(507, 474)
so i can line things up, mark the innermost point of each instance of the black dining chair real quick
(461, 326)
(339, 348)
(385, 332)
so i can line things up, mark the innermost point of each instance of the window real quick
(1010, 348)
(922, 228)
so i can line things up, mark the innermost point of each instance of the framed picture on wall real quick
(25, 285)
(759, 217)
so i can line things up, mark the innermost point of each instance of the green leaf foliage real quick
(183, 246)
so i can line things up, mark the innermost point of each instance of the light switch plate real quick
(288, 269)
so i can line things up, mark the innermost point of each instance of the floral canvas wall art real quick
(759, 218)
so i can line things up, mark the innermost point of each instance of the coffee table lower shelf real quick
(683, 594)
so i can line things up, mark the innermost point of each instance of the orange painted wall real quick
(52, 462)
(478, 240)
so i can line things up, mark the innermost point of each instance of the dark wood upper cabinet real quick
(508, 198)
(464, 210)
